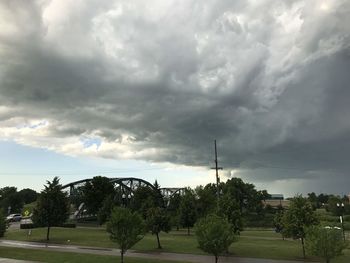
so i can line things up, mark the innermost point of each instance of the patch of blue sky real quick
(33, 126)
(29, 167)
(90, 141)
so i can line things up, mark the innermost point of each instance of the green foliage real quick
(187, 210)
(52, 206)
(145, 198)
(229, 208)
(264, 220)
(297, 218)
(206, 199)
(105, 211)
(3, 224)
(173, 210)
(325, 242)
(10, 200)
(28, 195)
(126, 228)
(157, 220)
(248, 198)
(95, 192)
(278, 221)
(214, 234)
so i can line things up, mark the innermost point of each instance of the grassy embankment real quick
(67, 257)
(251, 243)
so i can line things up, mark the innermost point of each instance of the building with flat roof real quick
(276, 200)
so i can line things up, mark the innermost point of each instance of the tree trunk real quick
(122, 256)
(159, 246)
(48, 234)
(216, 259)
(303, 245)
(188, 231)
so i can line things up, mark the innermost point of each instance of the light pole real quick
(341, 207)
(126, 199)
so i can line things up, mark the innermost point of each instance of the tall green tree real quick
(126, 228)
(28, 195)
(173, 210)
(145, 198)
(157, 220)
(298, 218)
(229, 208)
(248, 198)
(2, 223)
(206, 199)
(52, 206)
(312, 197)
(187, 210)
(10, 201)
(325, 242)
(95, 192)
(214, 235)
(105, 211)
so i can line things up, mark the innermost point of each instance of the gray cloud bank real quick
(162, 79)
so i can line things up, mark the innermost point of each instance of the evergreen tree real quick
(52, 206)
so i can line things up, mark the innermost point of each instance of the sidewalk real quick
(131, 253)
(8, 260)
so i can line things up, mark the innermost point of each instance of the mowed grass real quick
(67, 257)
(95, 237)
(251, 243)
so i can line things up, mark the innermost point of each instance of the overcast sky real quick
(148, 85)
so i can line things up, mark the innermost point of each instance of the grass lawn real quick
(251, 243)
(67, 257)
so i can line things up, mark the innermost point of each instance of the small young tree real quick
(126, 228)
(297, 218)
(95, 192)
(157, 220)
(214, 234)
(2, 223)
(325, 242)
(52, 206)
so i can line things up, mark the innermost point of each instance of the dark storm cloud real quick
(268, 80)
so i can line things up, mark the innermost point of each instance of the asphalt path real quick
(131, 253)
(8, 260)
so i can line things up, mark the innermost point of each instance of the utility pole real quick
(217, 168)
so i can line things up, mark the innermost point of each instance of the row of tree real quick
(12, 201)
(216, 212)
(300, 221)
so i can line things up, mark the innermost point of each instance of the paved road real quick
(8, 260)
(154, 255)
